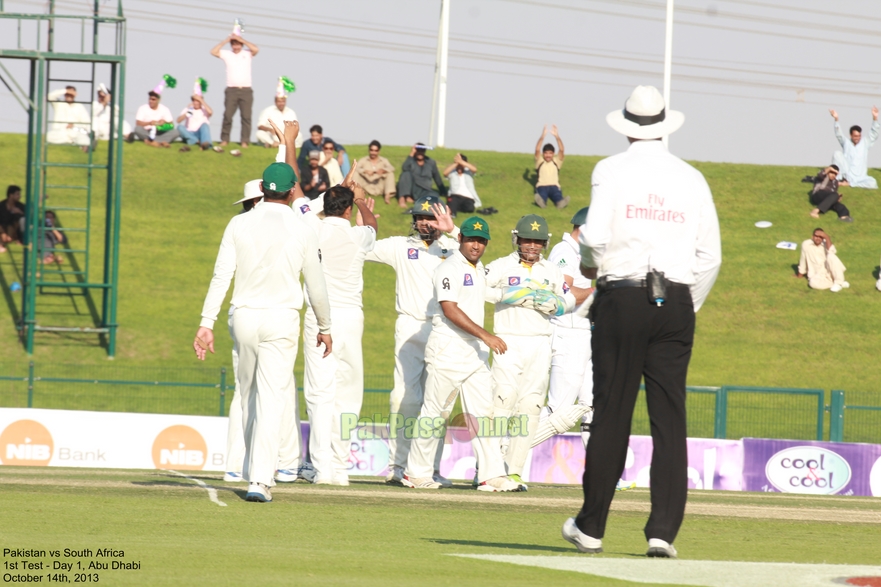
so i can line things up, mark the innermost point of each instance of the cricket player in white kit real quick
(289, 450)
(266, 250)
(414, 259)
(520, 375)
(457, 359)
(334, 385)
(571, 368)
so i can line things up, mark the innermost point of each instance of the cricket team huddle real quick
(539, 383)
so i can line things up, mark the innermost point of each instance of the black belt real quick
(604, 285)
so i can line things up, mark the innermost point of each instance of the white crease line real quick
(212, 493)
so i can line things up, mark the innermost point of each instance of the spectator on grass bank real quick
(853, 159)
(193, 122)
(154, 123)
(101, 115)
(52, 238)
(825, 196)
(417, 173)
(277, 113)
(375, 174)
(820, 264)
(313, 178)
(70, 121)
(547, 168)
(330, 163)
(316, 144)
(238, 94)
(463, 196)
(11, 218)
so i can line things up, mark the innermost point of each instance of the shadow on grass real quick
(530, 177)
(507, 545)
(876, 273)
(185, 484)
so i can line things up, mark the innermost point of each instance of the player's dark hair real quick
(273, 195)
(70, 88)
(375, 143)
(857, 128)
(816, 229)
(12, 189)
(337, 200)
(548, 147)
(317, 128)
(328, 142)
(153, 94)
(464, 158)
(835, 167)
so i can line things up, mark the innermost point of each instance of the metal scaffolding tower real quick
(63, 174)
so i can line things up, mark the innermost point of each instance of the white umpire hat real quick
(645, 116)
(252, 190)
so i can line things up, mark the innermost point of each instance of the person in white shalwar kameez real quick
(853, 159)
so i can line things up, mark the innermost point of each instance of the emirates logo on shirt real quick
(412, 253)
(514, 280)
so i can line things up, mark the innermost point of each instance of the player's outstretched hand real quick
(327, 341)
(834, 114)
(204, 341)
(496, 344)
(349, 181)
(443, 221)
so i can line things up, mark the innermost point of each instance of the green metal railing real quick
(713, 412)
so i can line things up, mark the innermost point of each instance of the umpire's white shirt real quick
(266, 249)
(651, 210)
(457, 280)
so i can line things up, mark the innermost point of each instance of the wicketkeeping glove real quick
(517, 296)
(547, 302)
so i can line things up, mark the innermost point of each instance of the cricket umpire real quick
(653, 235)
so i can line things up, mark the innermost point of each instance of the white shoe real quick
(660, 549)
(835, 288)
(341, 479)
(259, 493)
(582, 541)
(444, 482)
(420, 483)
(320, 479)
(286, 475)
(395, 475)
(878, 285)
(845, 285)
(307, 472)
(233, 477)
(500, 484)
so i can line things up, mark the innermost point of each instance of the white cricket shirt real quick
(414, 263)
(267, 249)
(508, 271)
(651, 210)
(566, 255)
(457, 280)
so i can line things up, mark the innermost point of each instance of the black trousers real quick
(825, 201)
(633, 338)
(460, 204)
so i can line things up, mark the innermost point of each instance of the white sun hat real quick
(644, 116)
(252, 190)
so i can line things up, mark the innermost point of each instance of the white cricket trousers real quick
(571, 369)
(520, 378)
(290, 447)
(334, 388)
(453, 364)
(411, 336)
(266, 341)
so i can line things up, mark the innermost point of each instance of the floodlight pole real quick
(439, 93)
(668, 60)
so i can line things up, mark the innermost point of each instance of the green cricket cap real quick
(423, 206)
(580, 217)
(532, 226)
(475, 226)
(279, 177)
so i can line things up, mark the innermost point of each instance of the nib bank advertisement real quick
(62, 438)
